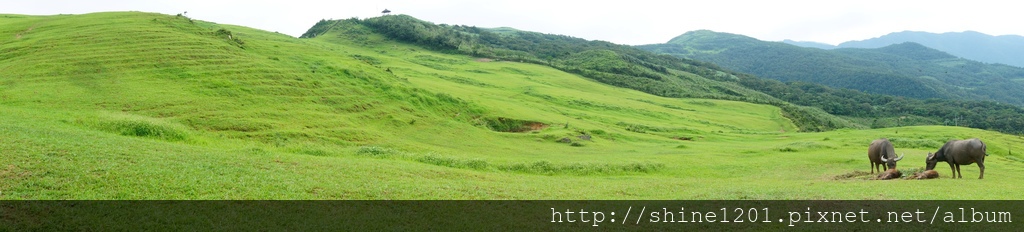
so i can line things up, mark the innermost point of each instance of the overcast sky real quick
(631, 22)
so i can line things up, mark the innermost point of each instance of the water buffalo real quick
(929, 174)
(959, 152)
(889, 174)
(881, 152)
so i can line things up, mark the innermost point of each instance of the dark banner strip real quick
(509, 215)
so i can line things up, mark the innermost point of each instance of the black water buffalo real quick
(959, 152)
(881, 152)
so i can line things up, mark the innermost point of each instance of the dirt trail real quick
(18, 36)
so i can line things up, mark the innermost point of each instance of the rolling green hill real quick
(129, 105)
(618, 65)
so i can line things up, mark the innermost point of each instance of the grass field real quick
(135, 105)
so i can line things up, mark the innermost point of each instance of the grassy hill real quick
(613, 64)
(132, 105)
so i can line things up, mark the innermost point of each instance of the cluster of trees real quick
(881, 110)
(812, 107)
(318, 29)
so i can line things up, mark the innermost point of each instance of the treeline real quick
(878, 110)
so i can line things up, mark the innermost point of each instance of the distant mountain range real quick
(810, 44)
(1004, 49)
(905, 69)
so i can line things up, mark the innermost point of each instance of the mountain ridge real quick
(907, 69)
(1003, 49)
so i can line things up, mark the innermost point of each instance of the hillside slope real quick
(134, 105)
(618, 65)
(156, 82)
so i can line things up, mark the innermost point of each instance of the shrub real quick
(132, 125)
(452, 162)
(916, 143)
(375, 151)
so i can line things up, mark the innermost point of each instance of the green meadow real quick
(129, 105)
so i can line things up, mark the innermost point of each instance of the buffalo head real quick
(930, 161)
(891, 164)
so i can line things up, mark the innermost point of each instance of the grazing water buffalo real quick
(959, 152)
(881, 152)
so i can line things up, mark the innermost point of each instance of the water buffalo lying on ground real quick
(959, 152)
(881, 152)
(929, 174)
(889, 174)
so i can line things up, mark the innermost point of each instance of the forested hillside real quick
(906, 69)
(1004, 49)
(876, 87)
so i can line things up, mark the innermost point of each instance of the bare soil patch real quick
(18, 36)
(852, 175)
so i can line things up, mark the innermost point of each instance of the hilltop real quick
(129, 105)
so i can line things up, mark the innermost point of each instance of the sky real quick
(633, 22)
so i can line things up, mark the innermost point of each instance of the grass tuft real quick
(138, 126)
(375, 151)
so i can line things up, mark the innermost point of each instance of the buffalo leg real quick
(981, 165)
(952, 169)
(958, 173)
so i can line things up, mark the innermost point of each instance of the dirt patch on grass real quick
(854, 175)
(683, 138)
(915, 174)
(514, 125)
(484, 60)
(536, 126)
(12, 172)
(18, 36)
